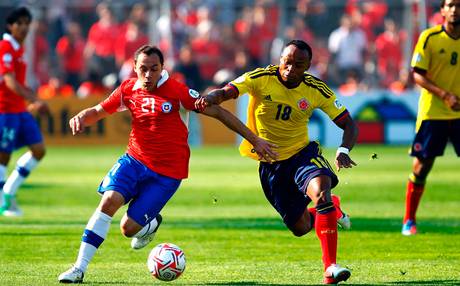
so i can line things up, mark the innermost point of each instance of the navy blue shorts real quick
(18, 130)
(432, 136)
(285, 182)
(146, 191)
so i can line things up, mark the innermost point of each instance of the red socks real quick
(413, 194)
(326, 230)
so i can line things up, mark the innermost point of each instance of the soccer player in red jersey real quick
(157, 158)
(17, 126)
(436, 68)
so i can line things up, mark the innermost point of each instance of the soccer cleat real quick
(334, 274)
(344, 221)
(138, 243)
(73, 275)
(10, 207)
(409, 228)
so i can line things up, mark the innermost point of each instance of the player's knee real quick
(127, 229)
(38, 154)
(300, 231)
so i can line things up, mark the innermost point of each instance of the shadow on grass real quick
(429, 225)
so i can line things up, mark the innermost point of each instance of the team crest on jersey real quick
(166, 107)
(337, 104)
(193, 93)
(303, 104)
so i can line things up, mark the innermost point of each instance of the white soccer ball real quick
(166, 261)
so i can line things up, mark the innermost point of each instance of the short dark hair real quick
(15, 15)
(302, 45)
(148, 50)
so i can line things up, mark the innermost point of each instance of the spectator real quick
(93, 86)
(129, 41)
(389, 54)
(70, 49)
(189, 69)
(55, 88)
(347, 45)
(102, 36)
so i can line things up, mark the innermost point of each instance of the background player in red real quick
(17, 126)
(157, 157)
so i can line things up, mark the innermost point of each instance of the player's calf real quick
(146, 234)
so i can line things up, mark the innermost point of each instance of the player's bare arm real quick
(86, 117)
(350, 135)
(216, 96)
(29, 95)
(449, 98)
(263, 148)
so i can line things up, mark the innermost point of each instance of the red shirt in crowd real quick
(11, 61)
(71, 53)
(159, 135)
(103, 38)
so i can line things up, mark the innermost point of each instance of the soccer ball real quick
(166, 261)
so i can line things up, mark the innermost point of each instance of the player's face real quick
(19, 29)
(293, 63)
(148, 69)
(451, 12)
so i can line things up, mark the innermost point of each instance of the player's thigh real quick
(313, 173)
(29, 134)
(153, 194)
(455, 135)
(123, 177)
(9, 126)
(431, 139)
(277, 180)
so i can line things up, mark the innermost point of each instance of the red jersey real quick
(158, 136)
(11, 61)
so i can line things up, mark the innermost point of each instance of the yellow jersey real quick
(279, 114)
(438, 54)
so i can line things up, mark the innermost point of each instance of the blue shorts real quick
(146, 191)
(285, 182)
(18, 130)
(432, 136)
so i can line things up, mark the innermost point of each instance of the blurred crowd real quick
(86, 49)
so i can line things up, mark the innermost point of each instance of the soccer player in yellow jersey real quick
(281, 101)
(436, 68)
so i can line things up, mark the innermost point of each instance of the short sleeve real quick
(334, 108)
(421, 57)
(242, 84)
(6, 59)
(188, 97)
(114, 102)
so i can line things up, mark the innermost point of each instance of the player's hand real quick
(76, 124)
(264, 150)
(201, 104)
(452, 101)
(39, 106)
(342, 160)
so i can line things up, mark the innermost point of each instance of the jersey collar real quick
(164, 77)
(14, 43)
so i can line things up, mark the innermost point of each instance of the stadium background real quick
(224, 39)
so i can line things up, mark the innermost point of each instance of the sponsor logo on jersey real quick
(240, 79)
(166, 107)
(303, 104)
(193, 93)
(337, 104)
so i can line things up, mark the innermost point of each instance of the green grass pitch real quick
(230, 234)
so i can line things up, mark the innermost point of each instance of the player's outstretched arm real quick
(215, 96)
(86, 117)
(263, 148)
(449, 98)
(350, 135)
